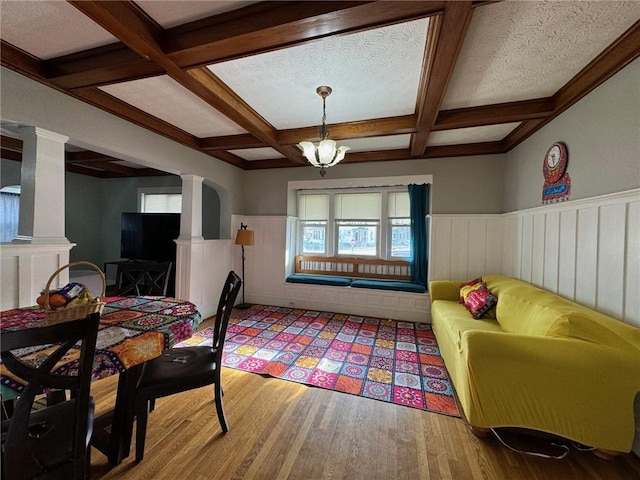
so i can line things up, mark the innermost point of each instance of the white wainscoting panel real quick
(201, 269)
(585, 250)
(465, 246)
(632, 272)
(26, 268)
(266, 271)
(567, 253)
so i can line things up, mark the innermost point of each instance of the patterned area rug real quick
(397, 362)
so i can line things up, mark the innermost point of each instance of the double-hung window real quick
(367, 222)
(357, 220)
(313, 213)
(161, 202)
(399, 224)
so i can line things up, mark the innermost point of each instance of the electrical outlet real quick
(292, 304)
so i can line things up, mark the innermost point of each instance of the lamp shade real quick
(244, 237)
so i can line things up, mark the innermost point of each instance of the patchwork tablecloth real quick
(132, 330)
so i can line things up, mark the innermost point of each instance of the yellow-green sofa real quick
(542, 363)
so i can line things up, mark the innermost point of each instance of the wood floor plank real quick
(280, 429)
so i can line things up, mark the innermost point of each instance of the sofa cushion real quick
(500, 283)
(319, 280)
(455, 320)
(527, 310)
(478, 299)
(396, 285)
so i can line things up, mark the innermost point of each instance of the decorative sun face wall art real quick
(557, 183)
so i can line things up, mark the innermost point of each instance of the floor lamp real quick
(245, 239)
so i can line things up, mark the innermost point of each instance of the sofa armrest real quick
(444, 290)
(576, 389)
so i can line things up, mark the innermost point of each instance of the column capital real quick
(192, 178)
(41, 132)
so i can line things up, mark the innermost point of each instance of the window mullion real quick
(331, 229)
(385, 242)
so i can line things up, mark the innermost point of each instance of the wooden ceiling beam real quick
(87, 156)
(493, 114)
(451, 31)
(233, 159)
(251, 30)
(231, 142)
(212, 90)
(128, 24)
(11, 143)
(11, 154)
(120, 169)
(269, 26)
(446, 120)
(464, 150)
(444, 151)
(343, 131)
(20, 61)
(134, 115)
(99, 66)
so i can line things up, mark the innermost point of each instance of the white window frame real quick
(142, 191)
(383, 242)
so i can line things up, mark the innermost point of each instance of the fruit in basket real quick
(57, 300)
(84, 298)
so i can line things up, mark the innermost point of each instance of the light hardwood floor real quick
(283, 430)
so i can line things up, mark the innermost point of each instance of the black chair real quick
(51, 442)
(182, 369)
(142, 278)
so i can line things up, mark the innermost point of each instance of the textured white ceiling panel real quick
(518, 50)
(390, 142)
(167, 100)
(373, 74)
(42, 20)
(266, 153)
(170, 14)
(490, 133)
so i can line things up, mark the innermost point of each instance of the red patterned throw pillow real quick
(471, 283)
(477, 298)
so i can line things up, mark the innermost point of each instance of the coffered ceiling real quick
(236, 79)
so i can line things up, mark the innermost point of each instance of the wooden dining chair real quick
(186, 368)
(142, 278)
(50, 442)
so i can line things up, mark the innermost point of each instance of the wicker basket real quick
(73, 312)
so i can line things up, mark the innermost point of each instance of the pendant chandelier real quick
(325, 154)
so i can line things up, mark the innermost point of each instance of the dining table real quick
(132, 330)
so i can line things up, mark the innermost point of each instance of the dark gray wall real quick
(94, 207)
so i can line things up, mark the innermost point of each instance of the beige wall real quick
(460, 185)
(602, 133)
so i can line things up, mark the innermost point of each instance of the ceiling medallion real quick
(325, 154)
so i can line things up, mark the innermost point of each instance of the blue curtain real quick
(9, 209)
(418, 208)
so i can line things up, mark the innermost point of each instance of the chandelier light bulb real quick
(325, 154)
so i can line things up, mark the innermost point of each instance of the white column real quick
(190, 266)
(42, 198)
(191, 217)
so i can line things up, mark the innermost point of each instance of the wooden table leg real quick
(116, 444)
